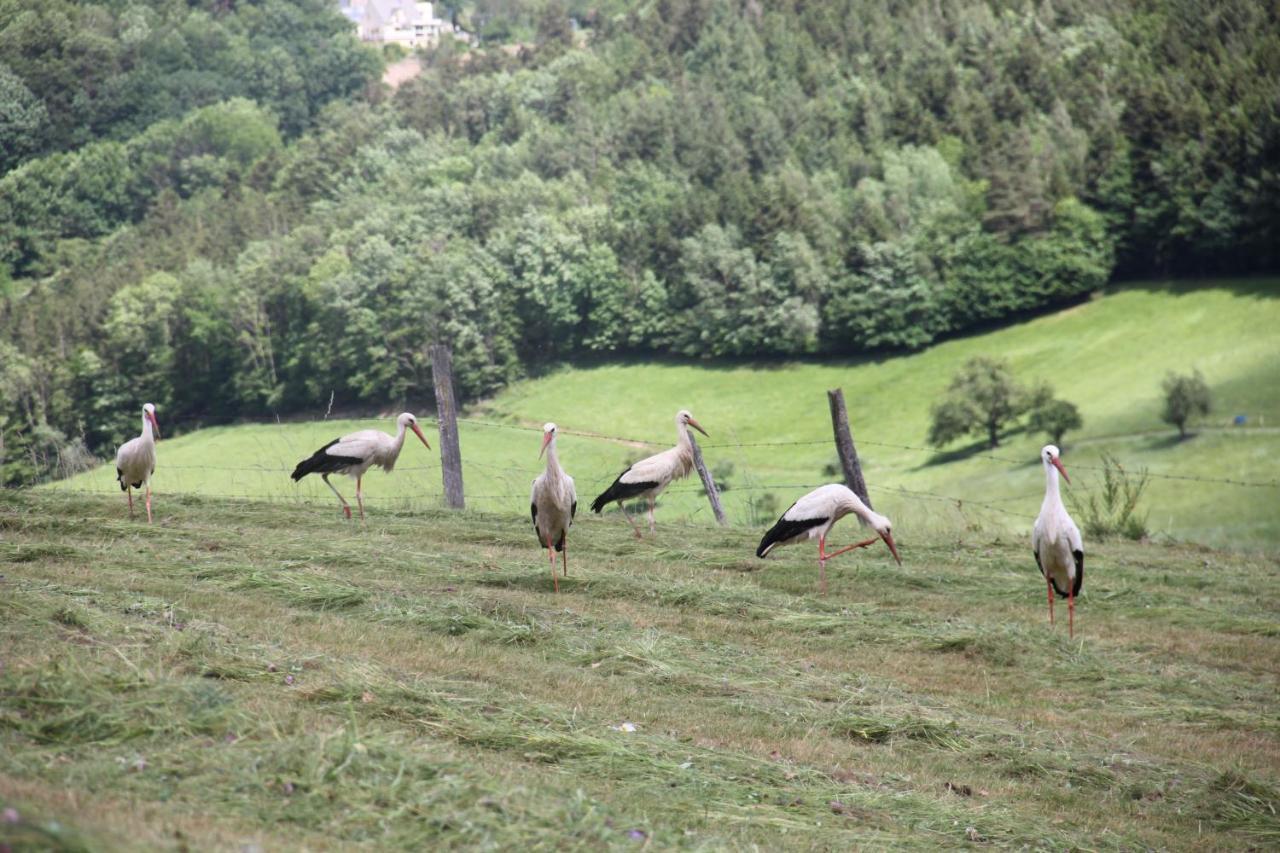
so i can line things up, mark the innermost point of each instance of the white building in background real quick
(402, 22)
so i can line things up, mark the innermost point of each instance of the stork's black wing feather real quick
(620, 491)
(321, 462)
(573, 510)
(787, 528)
(1079, 584)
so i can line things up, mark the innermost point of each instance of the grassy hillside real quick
(243, 673)
(1107, 355)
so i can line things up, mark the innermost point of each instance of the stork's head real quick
(882, 526)
(684, 418)
(548, 436)
(408, 421)
(1050, 456)
(149, 415)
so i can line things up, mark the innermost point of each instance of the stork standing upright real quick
(356, 453)
(136, 458)
(1056, 541)
(650, 476)
(815, 514)
(553, 504)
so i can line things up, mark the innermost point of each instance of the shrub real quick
(1114, 512)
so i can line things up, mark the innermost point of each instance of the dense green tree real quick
(1185, 396)
(982, 399)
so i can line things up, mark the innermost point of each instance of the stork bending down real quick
(136, 459)
(553, 504)
(1056, 541)
(650, 476)
(815, 514)
(355, 454)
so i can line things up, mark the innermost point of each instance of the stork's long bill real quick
(1057, 463)
(418, 430)
(155, 425)
(698, 427)
(546, 440)
(888, 540)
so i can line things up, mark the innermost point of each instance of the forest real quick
(217, 207)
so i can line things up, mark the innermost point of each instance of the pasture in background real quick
(770, 422)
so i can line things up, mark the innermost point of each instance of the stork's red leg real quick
(652, 524)
(564, 554)
(360, 497)
(623, 508)
(1049, 583)
(822, 564)
(128, 490)
(148, 502)
(346, 507)
(871, 541)
(1071, 611)
(551, 555)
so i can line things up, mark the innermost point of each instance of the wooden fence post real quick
(713, 494)
(844, 446)
(447, 414)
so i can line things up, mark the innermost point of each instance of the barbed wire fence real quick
(512, 493)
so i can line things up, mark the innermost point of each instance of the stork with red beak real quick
(1056, 541)
(649, 477)
(136, 459)
(553, 504)
(813, 516)
(356, 453)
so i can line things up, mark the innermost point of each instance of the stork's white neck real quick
(683, 438)
(147, 432)
(554, 471)
(1052, 496)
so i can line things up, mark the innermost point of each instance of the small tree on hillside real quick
(1053, 417)
(1184, 396)
(981, 400)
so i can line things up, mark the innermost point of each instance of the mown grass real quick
(245, 673)
(1107, 355)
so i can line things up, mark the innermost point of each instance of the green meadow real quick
(770, 423)
(247, 675)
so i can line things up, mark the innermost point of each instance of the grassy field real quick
(246, 673)
(1107, 355)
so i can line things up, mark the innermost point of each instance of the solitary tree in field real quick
(981, 400)
(1184, 396)
(1051, 416)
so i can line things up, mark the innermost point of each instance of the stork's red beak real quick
(1057, 463)
(698, 427)
(546, 439)
(888, 540)
(418, 430)
(155, 425)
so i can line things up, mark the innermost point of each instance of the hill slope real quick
(1108, 355)
(246, 674)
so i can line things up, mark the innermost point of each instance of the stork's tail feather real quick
(620, 491)
(770, 540)
(322, 462)
(124, 487)
(785, 530)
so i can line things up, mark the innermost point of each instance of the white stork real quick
(356, 453)
(1056, 541)
(815, 514)
(650, 476)
(553, 504)
(136, 459)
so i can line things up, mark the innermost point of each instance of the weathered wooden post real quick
(713, 494)
(844, 446)
(447, 414)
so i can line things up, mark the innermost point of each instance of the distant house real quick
(402, 22)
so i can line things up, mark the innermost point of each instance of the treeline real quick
(707, 178)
